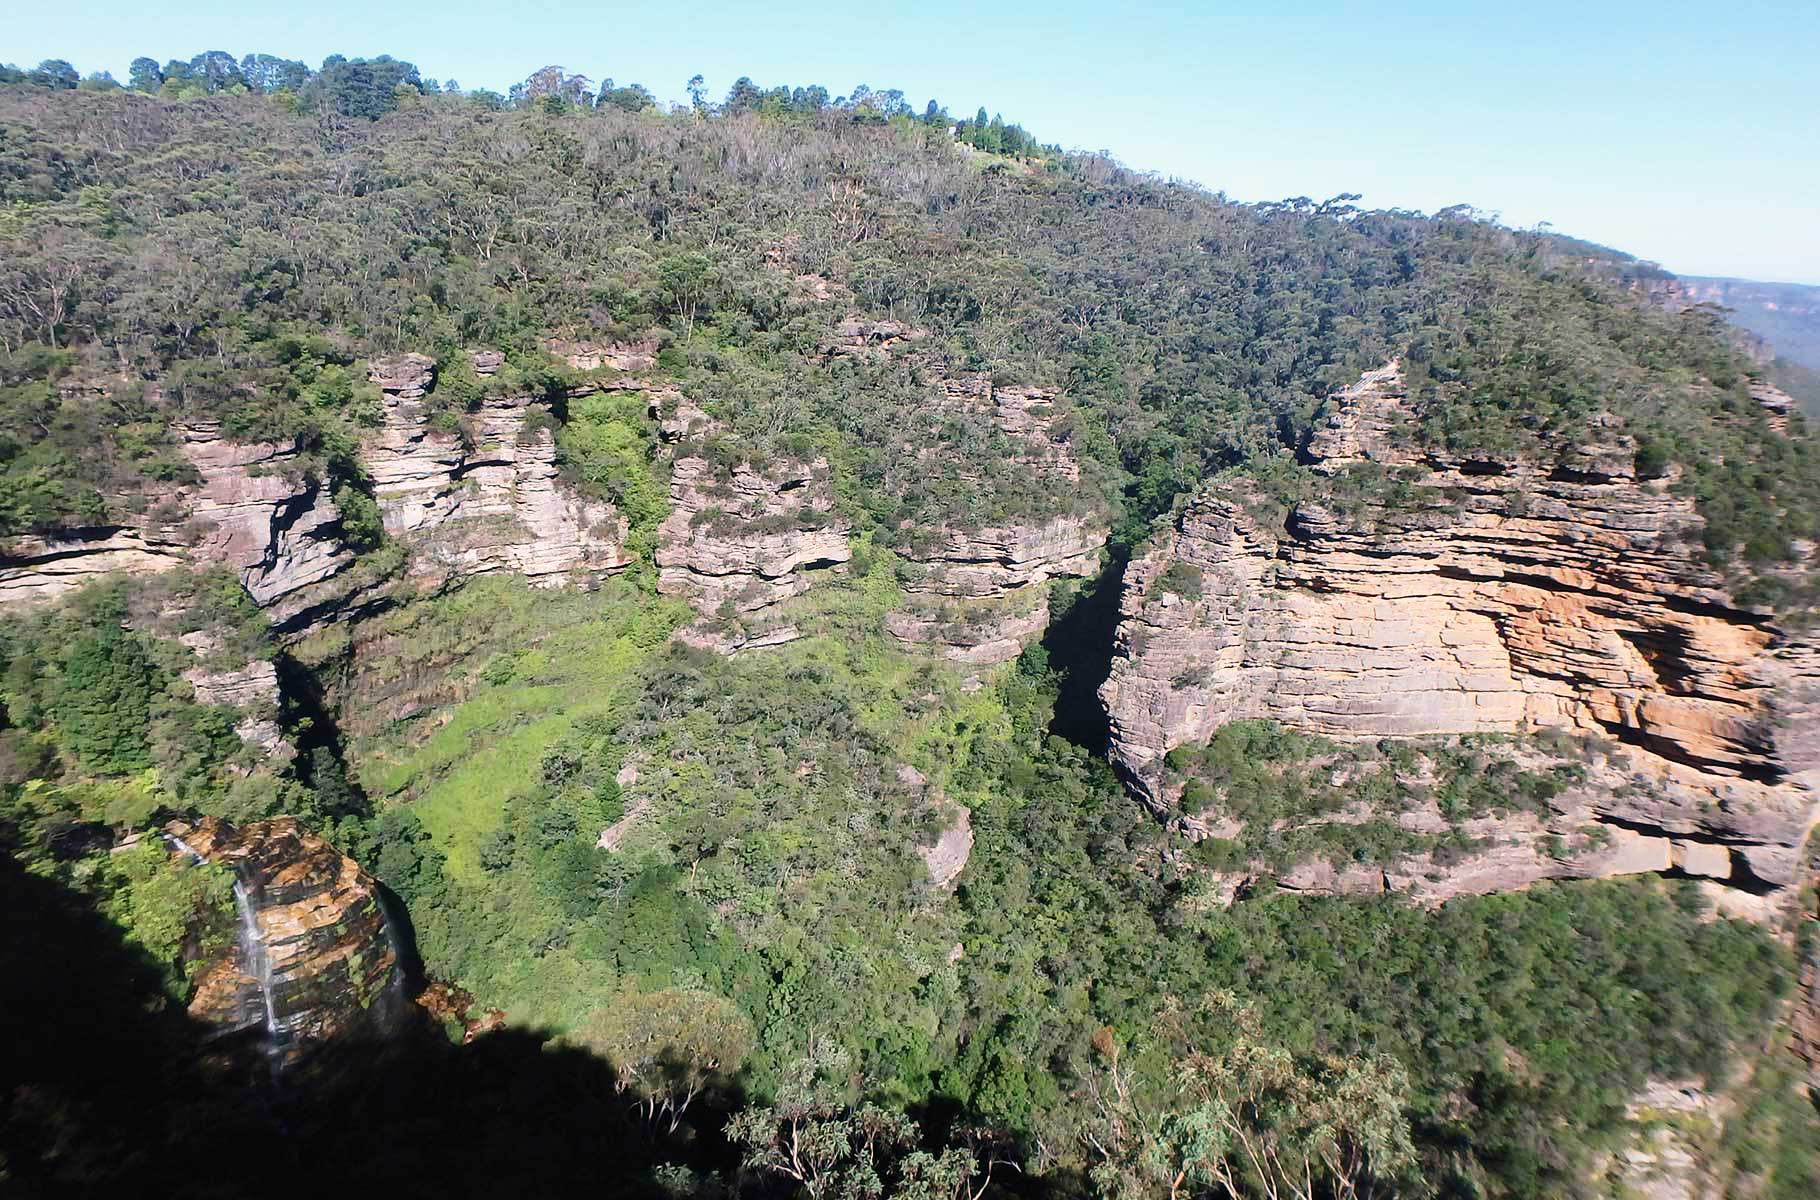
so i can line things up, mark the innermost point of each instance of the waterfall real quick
(252, 952)
(252, 946)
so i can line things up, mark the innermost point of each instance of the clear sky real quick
(1684, 131)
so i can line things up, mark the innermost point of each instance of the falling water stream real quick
(253, 953)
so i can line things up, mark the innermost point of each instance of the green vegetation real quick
(710, 871)
(1192, 336)
(180, 913)
(1294, 796)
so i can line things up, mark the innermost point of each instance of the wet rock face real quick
(1522, 597)
(491, 502)
(329, 962)
(737, 545)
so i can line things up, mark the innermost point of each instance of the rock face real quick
(612, 356)
(254, 509)
(946, 857)
(251, 687)
(258, 512)
(37, 570)
(979, 596)
(737, 545)
(488, 502)
(315, 959)
(861, 338)
(478, 499)
(1672, 1127)
(1522, 597)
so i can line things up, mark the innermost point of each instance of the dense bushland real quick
(637, 849)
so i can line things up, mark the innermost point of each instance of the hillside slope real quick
(663, 548)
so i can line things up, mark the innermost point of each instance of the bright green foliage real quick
(1287, 791)
(577, 810)
(179, 912)
(102, 726)
(606, 446)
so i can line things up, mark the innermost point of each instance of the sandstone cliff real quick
(39, 569)
(473, 497)
(251, 686)
(314, 959)
(483, 498)
(979, 595)
(737, 544)
(258, 511)
(1507, 597)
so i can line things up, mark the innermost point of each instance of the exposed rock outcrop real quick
(979, 595)
(259, 511)
(39, 569)
(1673, 1127)
(1518, 597)
(860, 337)
(945, 857)
(738, 544)
(478, 496)
(975, 633)
(613, 356)
(251, 687)
(484, 498)
(315, 959)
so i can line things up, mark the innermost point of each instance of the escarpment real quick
(1508, 597)
(480, 495)
(262, 512)
(39, 568)
(979, 594)
(474, 493)
(314, 958)
(740, 541)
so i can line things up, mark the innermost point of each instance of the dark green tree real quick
(104, 699)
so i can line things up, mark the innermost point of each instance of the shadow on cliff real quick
(104, 1089)
(1079, 644)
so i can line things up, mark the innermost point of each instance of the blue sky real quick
(1686, 132)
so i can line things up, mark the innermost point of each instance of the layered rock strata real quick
(485, 499)
(738, 544)
(979, 596)
(477, 497)
(260, 512)
(1513, 597)
(315, 959)
(39, 569)
(250, 687)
